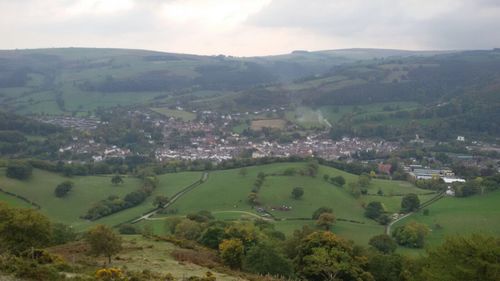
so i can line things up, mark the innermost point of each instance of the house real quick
(384, 168)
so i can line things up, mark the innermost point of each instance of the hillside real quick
(56, 81)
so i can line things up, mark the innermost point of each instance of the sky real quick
(250, 27)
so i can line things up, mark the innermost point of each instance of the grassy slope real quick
(225, 194)
(184, 115)
(139, 253)
(460, 216)
(12, 201)
(87, 191)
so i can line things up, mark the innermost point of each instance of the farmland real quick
(181, 114)
(268, 123)
(225, 194)
(87, 191)
(451, 216)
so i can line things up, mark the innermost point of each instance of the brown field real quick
(257, 125)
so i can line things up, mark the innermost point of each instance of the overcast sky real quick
(250, 27)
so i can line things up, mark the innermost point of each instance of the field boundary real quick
(38, 207)
(425, 204)
(152, 212)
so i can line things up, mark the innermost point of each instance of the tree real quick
(364, 180)
(474, 257)
(338, 180)
(384, 243)
(326, 220)
(21, 229)
(411, 235)
(320, 211)
(324, 256)
(390, 267)
(264, 258)
(201, 216)
(103, 241)
(19, 170)
(410, 203)
(188, 229)
(63, 188)
(231, 252)
(326, 177)
(212, 237)
(297, 193)
(62, 234)
(116, 179)
(253, 198)
(160, 201)
(374, 209)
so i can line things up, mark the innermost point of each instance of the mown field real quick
(87, 191)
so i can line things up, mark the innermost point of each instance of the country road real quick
(174, 198)
(425, 204)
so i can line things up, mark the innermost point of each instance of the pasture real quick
(258, 125)
(87, 191)
(225, 195)
(451, 216)
(180, 114)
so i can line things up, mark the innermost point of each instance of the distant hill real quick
(459, 89)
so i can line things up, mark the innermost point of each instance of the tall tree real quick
(103, 241)
(410, 202)
(116, 179)
(475, 257)
(326, 220)
(231, 252)
(324, 256)
(21, 229)
(297, 193)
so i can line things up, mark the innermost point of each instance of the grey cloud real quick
(460, 24)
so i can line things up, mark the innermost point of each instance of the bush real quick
(128, 229)
(374, 210)
(383, 243)
(320, 211)
(19, 170)
(63, 188)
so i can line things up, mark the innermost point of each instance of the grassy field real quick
(88, 190)
(268, 123)
(450, 216)
(12, 201)
(225, 195)
(184, 115)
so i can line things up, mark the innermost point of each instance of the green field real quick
(225, 195)
(450, 216)
(181, 114)
(87, 191)
(12, 201)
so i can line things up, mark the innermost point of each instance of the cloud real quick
(250, 27)
(401, 24)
